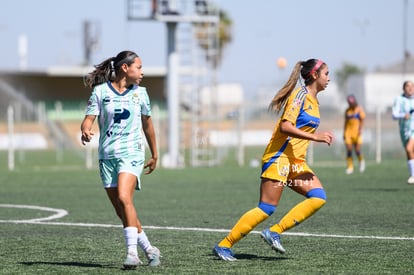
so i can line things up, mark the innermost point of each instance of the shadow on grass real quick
(262, 258)
(243, 256)
(78, 264)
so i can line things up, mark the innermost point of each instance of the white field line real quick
(60, 213)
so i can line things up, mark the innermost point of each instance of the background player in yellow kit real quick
(283, 162)
(354, 122)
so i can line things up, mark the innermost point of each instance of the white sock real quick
(131, 236)
(143, 241)
(411, 167)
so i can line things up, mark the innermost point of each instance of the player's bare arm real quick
(86, 129)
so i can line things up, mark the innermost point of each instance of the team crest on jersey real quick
(297, 102)
(135, 98)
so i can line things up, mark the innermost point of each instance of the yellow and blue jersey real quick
(302, 110)
(353, 119)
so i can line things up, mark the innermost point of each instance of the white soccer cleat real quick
(349, 171)
(153, 256)
(132, 261)
(410, 180)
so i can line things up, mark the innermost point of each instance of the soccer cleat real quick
(272, 239)
(349, 171)
(362, 166)
(410, 180)
(224, 253)
(153, 256)
(132, 261)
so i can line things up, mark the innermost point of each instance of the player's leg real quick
(126, 188)
(307, 185)
(131, 168)
(409, 148)
(310, 186)
(270, 193)
(273, 178)
(349, 160)
(359, 154)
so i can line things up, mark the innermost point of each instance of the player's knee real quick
(349, 154)
(267, 208)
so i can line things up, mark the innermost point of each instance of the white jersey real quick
(404, 105)
(119, 119)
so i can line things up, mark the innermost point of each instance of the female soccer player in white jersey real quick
(402, 111)
(284, 162)
(123, 110)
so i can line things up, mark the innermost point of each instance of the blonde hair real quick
(279, 100)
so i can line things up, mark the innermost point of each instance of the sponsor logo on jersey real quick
(121, 114)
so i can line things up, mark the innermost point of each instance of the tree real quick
(345, 72)
(214, 38)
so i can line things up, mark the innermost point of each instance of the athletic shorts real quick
(285, 170)
(353, 139)
(110, 169)
(405, 136)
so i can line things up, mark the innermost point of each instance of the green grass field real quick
(366, 227)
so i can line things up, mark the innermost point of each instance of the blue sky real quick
(367, 33)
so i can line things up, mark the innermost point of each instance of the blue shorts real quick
(110, 169)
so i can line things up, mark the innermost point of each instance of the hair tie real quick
(112, 74)
(316, 67)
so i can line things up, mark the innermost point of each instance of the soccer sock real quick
(301, 211)
(143, 241)
(411, 167)
(245, 224)
(360, 156)
(349, 162)
(131, 236)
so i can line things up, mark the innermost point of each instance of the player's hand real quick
(325, 137)
(86, 136)
(151, 165)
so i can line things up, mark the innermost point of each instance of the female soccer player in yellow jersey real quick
(283, 162)
(354, 122)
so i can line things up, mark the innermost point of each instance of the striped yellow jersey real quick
(302, 109)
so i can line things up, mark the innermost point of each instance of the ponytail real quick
(109, 69)
(279, 100)
(305, 69)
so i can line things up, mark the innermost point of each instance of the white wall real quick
(376, 90)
